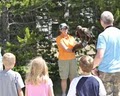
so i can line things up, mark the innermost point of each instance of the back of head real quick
(38, 71)
(107, 17)
(86, 63)
(38, 66)
(9, 60)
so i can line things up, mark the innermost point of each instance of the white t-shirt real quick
(72, 89)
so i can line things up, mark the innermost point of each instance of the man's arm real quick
(98, 57)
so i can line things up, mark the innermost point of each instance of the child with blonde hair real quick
(37, 80)
(86, 84)
(11, 83)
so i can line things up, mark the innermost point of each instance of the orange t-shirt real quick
(69, 41)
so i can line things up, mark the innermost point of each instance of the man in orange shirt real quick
(67, 60)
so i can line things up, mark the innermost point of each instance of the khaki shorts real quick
(111, 82)
(68, 69)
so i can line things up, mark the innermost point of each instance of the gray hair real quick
(107, 17)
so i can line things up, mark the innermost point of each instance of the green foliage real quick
(21, 6)
(31, 46)
(24, 48)
(29, 38)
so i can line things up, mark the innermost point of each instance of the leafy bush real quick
(29, 47)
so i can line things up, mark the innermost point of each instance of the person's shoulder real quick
(58, 37)
(49, 81)
(71, 37)
(97, 78)
(17, 74)
(117, 29)
(110, 29)
(14, 71)
(102, 34)
(76, 79)
(10, 73)
(94, 76)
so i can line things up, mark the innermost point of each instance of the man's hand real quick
(95, 72)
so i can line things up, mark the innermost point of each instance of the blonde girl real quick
(37, 80)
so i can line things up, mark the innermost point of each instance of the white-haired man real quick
(108, 55)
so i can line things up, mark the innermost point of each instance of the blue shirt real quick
(109, 40)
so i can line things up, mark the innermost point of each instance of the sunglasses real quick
(64, 29)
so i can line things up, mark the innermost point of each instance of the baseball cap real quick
(63, 25)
